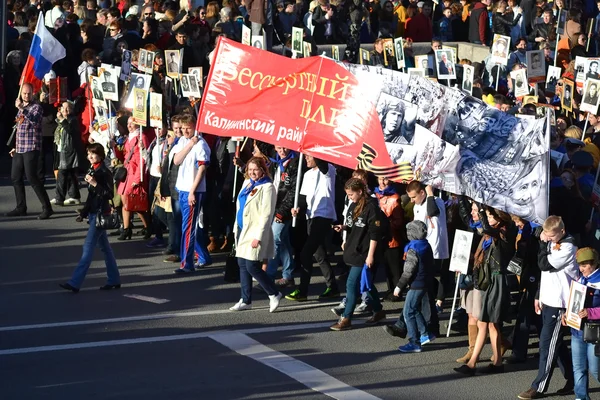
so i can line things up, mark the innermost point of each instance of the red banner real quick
(310, 105)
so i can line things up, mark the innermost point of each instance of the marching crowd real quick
(180, 183)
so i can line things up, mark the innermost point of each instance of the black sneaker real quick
(393, 330)
(183, 271)
(45, 214)
(329, 293)
(566, 390)
(66, 286)
(16, 213)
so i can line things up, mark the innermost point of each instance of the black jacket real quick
(99, 196)
(369, 225)
(71, 146)
(502, 24)
(286, 189)
(320, 25)
(542, 30)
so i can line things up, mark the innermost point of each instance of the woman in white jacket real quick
(254, 237)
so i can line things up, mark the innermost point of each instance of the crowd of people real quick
(180, 183)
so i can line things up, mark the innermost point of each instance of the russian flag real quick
(45, 51)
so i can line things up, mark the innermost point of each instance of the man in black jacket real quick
(543, 33)
(284, 169)
(325, 22)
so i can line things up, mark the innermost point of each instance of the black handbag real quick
(465, 282)
(108, 221)
(591, 332)
(120, 173)
(232, 268)
(515, 266)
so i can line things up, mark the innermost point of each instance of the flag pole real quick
(585, 126)
(297, 194)
(235, 170)
(453, 305)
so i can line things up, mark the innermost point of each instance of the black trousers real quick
(67, 184)
(394, 265)
(26, 165)
(316, 245)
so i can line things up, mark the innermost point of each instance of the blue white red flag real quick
(45, 51)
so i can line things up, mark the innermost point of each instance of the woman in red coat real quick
(137, 178)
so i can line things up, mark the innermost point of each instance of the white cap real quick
(420, 4)
(50, 75)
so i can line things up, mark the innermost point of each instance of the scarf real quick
(280, 161)
(388, 191)
(96, 165)
(243, 197)
(366, 280)
(484, 244)
(474, 225)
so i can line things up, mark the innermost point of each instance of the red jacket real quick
(419, 29)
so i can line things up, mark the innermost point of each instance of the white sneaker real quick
(72, 202)
(274, 301)
(240, 306)
(53, 201)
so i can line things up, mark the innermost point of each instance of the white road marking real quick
(307, 375)
(155, 339)
(150, 299)
(151, 317)
(61, 384)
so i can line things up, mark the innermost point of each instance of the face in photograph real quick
(258, 44)
(297, 41)
(466, 107)
(193, 85)
(500, 48)
(591, 95)
(592, 70)
(536, 61)
(139, 82)
(173, 62)
(149, 60)
(185, 84)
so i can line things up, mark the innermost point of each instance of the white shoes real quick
(72, 202)
(274, 301)
(273, 304)
(241, 306)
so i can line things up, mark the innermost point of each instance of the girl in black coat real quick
(101, 190)
(503, 20)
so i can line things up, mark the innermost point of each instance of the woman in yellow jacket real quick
(253, 234)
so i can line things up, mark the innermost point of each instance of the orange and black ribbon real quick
(401, 172)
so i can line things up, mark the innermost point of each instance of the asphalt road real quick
(108, 345)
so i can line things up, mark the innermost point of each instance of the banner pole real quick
(298, 179)
(595, 181)
(453, 305)
(497, 76)
(585, 126)
(141, 156)
(235, 171)
(108, 119)
(556, 50)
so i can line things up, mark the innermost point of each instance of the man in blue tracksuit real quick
(192, 155)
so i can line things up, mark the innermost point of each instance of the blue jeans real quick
(416, 324)
(353, 292)
(253, 269)
(283, 250)
(584, 362)
(425, 311)
(96, 237)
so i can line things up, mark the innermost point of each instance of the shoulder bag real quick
(108, 221)
(120, 173)
(515, 266)
(591, 332)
